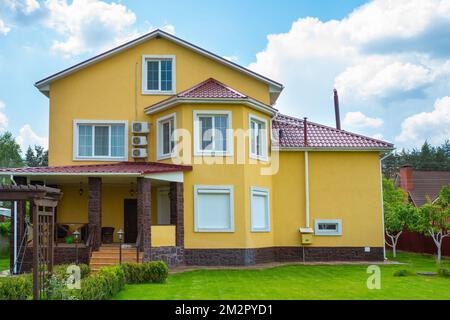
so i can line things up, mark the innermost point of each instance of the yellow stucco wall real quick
(343, 185)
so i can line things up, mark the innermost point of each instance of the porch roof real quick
(120, 168)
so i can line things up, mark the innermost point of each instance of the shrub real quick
(16, 288)
(401, 273)
(103, 285)
(5, 228)
(155, 271)
(444, 272)
(60, 271)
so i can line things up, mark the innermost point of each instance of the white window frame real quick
(318, 232)
(159, 136)
(265, 146)
(147, 57)
(229, 133)
(222, 189)
(77, 123)
(260, 192)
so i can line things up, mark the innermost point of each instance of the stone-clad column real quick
(177, 211)
(95, 209)
(144, 196)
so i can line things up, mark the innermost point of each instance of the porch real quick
(142, 200)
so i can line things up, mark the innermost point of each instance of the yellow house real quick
(182, 155)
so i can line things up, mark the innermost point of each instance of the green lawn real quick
(299, 282)
(4, 262)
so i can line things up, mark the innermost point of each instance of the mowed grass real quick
(300, 282)
(4, 262)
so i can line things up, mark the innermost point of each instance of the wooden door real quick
(130, 220)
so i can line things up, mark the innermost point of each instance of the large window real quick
(166, 136)
(324, 227)
(258, 137)
(212, 133)
(260, 209)
(158, 74)
(100, 140)
(214, 208)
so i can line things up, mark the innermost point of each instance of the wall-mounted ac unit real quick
(140, 127)
(139, 153)
(139, 140)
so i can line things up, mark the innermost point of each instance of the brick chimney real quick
(406, 182)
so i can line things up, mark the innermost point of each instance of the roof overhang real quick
(43, 85)
(346, 149)
(252, 103)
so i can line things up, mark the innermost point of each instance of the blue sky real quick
(390, 60)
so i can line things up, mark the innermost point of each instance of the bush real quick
(103, 285)
(16, 288)
(401, 273)
(155, 271)
(5, 228)
(60, 271)
(444, 272)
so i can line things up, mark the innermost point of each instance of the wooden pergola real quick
(43, 201)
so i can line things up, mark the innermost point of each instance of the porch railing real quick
(91, 239)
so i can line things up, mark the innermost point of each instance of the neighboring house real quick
(212, 173)
(5, 213)
(421, 186)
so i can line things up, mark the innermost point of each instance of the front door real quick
(163, 205)
(130, 220)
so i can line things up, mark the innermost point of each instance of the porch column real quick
(177, 211)
(95, 209)
(144, 211)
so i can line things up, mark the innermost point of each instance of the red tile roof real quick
(291, 135)
(211, 88)
(426, 184)
(121, 167)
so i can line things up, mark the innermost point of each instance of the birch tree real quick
(435, 219)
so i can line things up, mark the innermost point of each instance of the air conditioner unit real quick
(139, 140)
(139, 152)
(140, 127)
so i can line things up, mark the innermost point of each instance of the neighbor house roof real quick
(275, 87)
(425, 184)
(210, 91)
(290, 133)
(132, 168)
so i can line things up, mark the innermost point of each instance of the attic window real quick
(158, 74)
(328, 227)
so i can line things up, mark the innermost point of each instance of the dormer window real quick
(158, 74)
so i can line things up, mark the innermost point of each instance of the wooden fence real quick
(416, 242)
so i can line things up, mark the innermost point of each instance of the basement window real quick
(324, 227)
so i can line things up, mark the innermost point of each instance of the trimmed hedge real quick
(5, 228)
(102, 285)
(444, 272)
(16, 287)
(155, 271)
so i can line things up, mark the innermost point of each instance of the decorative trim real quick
(159, 137)
(226, 189)
(230, 143)
(146, 57)
(265, 193)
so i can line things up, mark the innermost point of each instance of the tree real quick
(9, 152)
(398, 214)
(37, 157)
(434, 219)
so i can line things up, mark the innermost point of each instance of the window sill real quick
(260, 158)
(159, 93)
(214, 230)
(213, 154)
(260, 231)
(328, 234)
(165, 156)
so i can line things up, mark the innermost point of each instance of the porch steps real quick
(110, 256)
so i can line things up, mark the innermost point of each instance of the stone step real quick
(113, 259)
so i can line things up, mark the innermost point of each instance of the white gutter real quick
(382, 205)
(307, 189)
(15, 232)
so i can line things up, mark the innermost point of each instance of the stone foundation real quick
(172, 256)
(62, 255)
(239, 257)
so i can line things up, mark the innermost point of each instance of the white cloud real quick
(382, 55)
(25, 7)
(433, 126)
(377, 136)
(231, 58)
(3, 117)
(4, 29)
(358, 119)
(27, 137)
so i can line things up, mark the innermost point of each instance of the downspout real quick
(382, 205)
(15, 232)
(305, 142)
